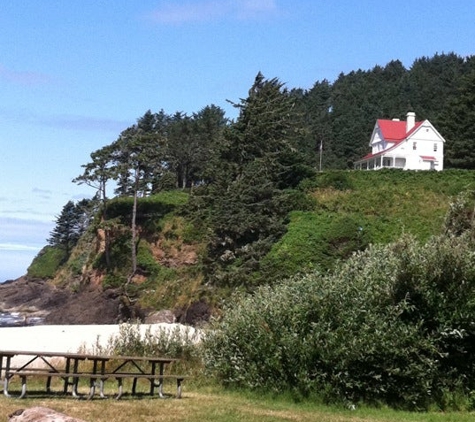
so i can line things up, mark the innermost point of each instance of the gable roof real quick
(395, 130)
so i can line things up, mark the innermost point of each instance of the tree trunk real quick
(134, 229)
(107, 236)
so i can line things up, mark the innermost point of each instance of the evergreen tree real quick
(457, 124)
(317, 106)
(257, 161)
(181, 147)
(70, 225)
(208, 125)
(433, 81)
(97, 174)
(138, 157)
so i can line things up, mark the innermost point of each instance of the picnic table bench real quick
(100, 368)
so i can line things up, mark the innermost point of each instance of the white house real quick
(408, 145)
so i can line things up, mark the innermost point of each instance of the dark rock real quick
(55, 305)
(194, 314)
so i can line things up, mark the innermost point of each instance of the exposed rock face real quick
(91, 305)
(40, 414)
(62, 306)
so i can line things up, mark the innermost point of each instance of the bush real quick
(176, 342)
(314, 241)
(393, 324)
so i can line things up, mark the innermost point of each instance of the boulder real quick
(40, 414)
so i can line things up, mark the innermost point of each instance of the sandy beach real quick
(69, 338)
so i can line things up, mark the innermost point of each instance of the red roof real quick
(427, 158)
(371, 155)
(395, 130)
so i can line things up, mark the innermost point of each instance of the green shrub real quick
(315, 241)
(150, 207)
(146, 262)
(393, 324)
(339, 180)
(176, 342)
(47, 262)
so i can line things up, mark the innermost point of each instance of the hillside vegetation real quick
(345, 211)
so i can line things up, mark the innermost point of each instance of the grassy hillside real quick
(355, 208)
(351, 209)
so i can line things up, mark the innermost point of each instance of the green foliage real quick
(246, 202)
(337, 180)
(146, 263)
(176, 342)
(149, 208)
(119, 253)
(392, 324)
(114, 279)
(70, 225)
(314, 241)
(47, 262)
(457, 123)
(460, 217)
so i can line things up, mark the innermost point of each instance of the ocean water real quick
(16, 319)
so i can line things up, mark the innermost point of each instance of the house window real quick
(414, 145)
(435, 147)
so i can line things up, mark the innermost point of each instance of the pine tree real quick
(138, 156)
(256, 162)
(70, 225)
(97, 174)
(457, 124)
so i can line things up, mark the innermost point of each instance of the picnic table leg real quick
(48, 385)
(119, 383)
(152, 381)
(74, 383)
(5, 374)
(101, 389)
(66, 379)
(160, 381)
(23, 386)
(5, 387)
(92, 389)
(178, 387)
(6, 383)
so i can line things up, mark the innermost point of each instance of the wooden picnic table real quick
(66, 366)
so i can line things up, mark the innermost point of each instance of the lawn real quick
(215, 405)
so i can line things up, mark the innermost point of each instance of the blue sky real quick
(75, 73)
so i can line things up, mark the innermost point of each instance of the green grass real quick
(47, 262)
(354, 208)
(213, 404)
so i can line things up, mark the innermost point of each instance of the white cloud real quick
(42, 193)
(16, 247)
(84, 123)
(211, 10)
(65, 121)
(22, 77)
